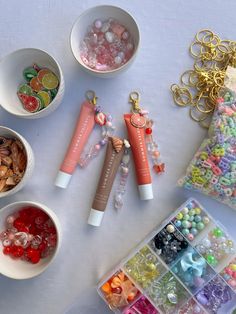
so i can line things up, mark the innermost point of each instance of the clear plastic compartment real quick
(169, 273)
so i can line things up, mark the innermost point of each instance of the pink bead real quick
(97, 146)
(232, 283)
(156, 153)
(229, 271)
(190, 236)
(10, 220)
(234, 275)
(109, 124)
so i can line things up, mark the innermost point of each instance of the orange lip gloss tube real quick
(83, 129)
(136, 134)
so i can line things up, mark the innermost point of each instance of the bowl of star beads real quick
(31, 83)
(29, 239)
(105, 40)
(16, 161)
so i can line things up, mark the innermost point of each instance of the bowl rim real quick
(125, 64)
(19, 137)
(58, 230)
(31, 114)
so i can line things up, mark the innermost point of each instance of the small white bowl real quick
(30, 160)
(103, 12)
(18, 269)
(11, 76)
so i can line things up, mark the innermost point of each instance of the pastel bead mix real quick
(215, 295)
(119, 291)
(142, 305)
(40, 88)
(213, 168)
(191, 221)
(107, 45)
(229, 274)
(144, 267)
(172, 276)
(169, 244)
(193, 270)
(216, 246)
(13, 161)
(29, 235)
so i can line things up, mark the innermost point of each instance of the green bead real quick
(185, 224)
(194, 224)
(200, 225)
(218, 232)
(192, 212)
(186, 217)
(185, 231)
(211, 259)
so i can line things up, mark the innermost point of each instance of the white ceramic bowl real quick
(18, 269)
(103, 12)
(30, 159)
(11, 76)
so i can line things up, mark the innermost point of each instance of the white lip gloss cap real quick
(145, 192)
(62, 179)
(95, 217)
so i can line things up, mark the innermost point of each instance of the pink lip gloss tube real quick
(83, 129)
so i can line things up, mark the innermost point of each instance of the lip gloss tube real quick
(114, 153)
(83, 129)
(138, 146)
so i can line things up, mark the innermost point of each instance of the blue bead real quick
(194, 231)
(197, 218)
(226, 277)
(177, 223)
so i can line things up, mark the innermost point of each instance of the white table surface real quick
(167, 28)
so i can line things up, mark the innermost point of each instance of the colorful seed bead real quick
(106, 47)
(143, 306)
(30, 235)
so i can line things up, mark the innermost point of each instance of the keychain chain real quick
(201, 86)
(152, 147)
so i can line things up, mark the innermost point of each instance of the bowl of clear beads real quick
(105, 40)
(29, 239)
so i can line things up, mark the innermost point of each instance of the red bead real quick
(17, 251)
(148, 131)
(33, 255)
(7, 250)
(159, 168)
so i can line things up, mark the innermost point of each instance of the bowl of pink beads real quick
(105, 40)
(29, 239)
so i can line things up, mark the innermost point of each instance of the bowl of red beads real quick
(29, 239)
(31, 83)
(105, 40)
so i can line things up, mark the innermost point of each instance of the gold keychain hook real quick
(91, 97)
(134, 99)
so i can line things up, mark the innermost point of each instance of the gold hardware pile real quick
(201, 86)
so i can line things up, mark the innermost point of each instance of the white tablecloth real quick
(167, 28)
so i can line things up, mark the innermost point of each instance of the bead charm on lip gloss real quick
(105, 122)
(30, 235)
(107, 45)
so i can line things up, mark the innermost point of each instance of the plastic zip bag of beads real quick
(212, 170)
(187, 265)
